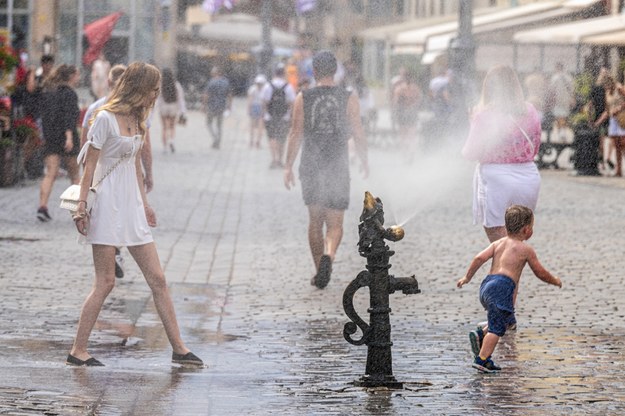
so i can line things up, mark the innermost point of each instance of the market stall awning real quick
(420, 36)
(573, 33)
(509, 24)
(390, 32)
(239, 29)
(616, 38)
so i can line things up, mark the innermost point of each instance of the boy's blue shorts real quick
(496, 293)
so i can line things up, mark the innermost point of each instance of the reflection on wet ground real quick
(305, 365)
(239, 269)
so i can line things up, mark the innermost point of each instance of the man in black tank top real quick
(324, 118)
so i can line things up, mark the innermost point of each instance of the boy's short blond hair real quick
(517, 217)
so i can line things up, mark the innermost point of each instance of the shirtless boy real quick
(510, 254)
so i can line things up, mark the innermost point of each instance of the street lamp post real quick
(266, 53)
(462, 62)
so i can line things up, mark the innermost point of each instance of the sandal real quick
(325, 270)
(91, 362)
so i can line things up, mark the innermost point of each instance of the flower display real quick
(25, 128)
(8, 57)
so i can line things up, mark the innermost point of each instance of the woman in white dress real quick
(121, 216)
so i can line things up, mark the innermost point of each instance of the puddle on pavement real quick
(582, 362)
(14, 401)
(26, 239)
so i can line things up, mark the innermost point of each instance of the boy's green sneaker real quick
(476, 337)
(485, 366)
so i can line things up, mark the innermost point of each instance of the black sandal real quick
(325, 270)
(188, 358)
(91, 362)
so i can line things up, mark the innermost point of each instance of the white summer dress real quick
(118, 215)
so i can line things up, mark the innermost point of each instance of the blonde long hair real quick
(128, 95)
(502, 90)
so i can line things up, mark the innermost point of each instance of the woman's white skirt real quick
(498, 186)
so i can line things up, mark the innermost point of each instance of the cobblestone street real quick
(233, 242)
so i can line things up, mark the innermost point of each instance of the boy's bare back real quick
(509, 256)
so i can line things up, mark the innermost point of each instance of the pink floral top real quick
(496, 137)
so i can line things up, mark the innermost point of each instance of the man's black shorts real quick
(326, 189)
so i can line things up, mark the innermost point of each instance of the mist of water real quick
(410, 185)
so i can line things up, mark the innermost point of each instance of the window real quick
(21, 22)
(379, 8)
(400, 7)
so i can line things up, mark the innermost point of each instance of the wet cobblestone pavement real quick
(234, 247)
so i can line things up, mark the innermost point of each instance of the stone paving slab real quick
(233, 244)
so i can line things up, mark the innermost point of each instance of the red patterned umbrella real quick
(98, 33)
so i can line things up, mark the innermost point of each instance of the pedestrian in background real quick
(121, 215)
(440, 105)
(599, 105)
(615, 103)
(217, 102)
(278, 98)
(99, 76)
(46, 66)
(536, 87)
(498, 290)
(396, 81)
(406, 100)
(324, 118)
(255, 110)
(563, 100)
(504, 138)
(34, 83)
(59, 117)
(171, 105)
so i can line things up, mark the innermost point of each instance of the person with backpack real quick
(278, 97)
(324, 119)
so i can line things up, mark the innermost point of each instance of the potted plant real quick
(8, 58)
(586, 142)
(7, 161)
(25, 129)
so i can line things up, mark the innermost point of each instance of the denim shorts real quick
(496, 295)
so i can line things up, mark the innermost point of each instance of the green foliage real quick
(5, 142)
(579, 119)
(583, 85)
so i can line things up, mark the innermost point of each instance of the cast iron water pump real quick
(376, 334)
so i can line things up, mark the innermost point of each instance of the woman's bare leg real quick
(315, 233)
(146, 257)
(52, 163)
(171, 125)
(72, 169)
(619, 143)
(104, 262)
(334, 230)
(164, 132)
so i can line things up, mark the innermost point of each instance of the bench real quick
(549, 152)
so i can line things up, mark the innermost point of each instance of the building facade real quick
(146, 30)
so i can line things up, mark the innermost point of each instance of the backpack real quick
(277, 105)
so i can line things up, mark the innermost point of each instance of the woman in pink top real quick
(504, 139)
